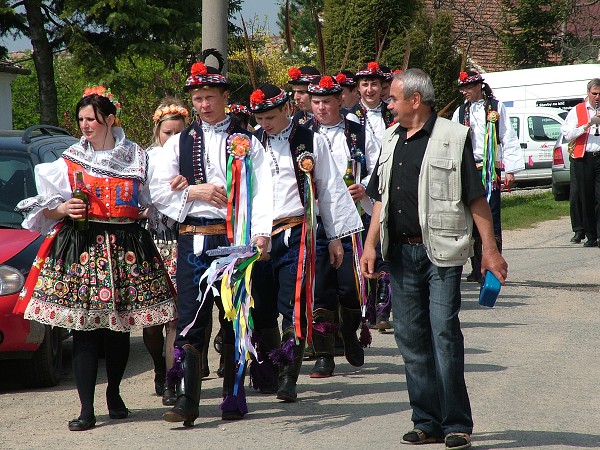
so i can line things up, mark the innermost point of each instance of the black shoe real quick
(118, 414)
(577, 237)
(323, 368)
(82, 424)
(591, 243)
(169, 397)
(116, 407)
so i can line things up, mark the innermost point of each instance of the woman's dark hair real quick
(102, 106)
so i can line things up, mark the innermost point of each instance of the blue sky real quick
(250, 8)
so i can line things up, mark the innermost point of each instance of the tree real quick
(302, 27)
(531, 32)
(360, 31)
(99, 33)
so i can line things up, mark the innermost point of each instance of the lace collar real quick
(377, 109)
(284, 134)
(126, 159)
(218, 127)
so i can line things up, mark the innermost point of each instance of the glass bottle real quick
(79, 192)
(349, 175)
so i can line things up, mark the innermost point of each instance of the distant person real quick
(426, 257)
(575, 208)
(581, 128)
(105, 279)
(481, 112)
(300, 78)
(345, 78)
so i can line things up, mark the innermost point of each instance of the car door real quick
(540, 132)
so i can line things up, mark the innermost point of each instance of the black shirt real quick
(403, 212)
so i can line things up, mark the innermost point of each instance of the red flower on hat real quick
(326, 82)
(373, 67)
(294, 73)
(463, 76)
(257, 97)
(397, 71)
(198, 69)
(341, 78)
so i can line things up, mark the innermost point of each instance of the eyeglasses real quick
(595, 94)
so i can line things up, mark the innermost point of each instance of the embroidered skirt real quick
(110, 276)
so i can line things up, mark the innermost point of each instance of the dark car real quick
(39, 347)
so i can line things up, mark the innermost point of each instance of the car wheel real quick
(560, 193)
(45, 367)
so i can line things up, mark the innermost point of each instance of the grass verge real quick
(523, 211)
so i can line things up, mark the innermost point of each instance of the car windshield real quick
(16, 183)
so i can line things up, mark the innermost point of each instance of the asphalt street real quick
(532, 370)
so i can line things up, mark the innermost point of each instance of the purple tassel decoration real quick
(283, 356)
(233, 403)
(263, 375)
(325, 328)
(371, 307)
(365, 335)
(175, 373)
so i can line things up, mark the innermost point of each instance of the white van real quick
(537, 129)
(557, 86)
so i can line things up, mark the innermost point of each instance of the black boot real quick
(324, 331)
(288, 373)
(204, 362)
(264, 374)
(234, 407)
(188, 390)
(350, 320)
(384, 302)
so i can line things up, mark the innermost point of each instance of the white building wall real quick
(6, 117)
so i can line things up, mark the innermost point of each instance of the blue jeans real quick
(425, 305)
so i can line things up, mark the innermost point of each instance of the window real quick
(514, 121)
(543, 128)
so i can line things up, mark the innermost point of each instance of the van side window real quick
(514, 121)
(543, 128)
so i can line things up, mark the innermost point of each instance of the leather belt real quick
(285, 223)
(479, 165)
(412, 240)
(593, 154)
(217, 228)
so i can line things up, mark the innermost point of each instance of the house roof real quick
(11, 67)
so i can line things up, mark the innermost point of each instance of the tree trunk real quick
(43, 61)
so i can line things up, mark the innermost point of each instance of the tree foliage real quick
(303, 28)
(531, 32)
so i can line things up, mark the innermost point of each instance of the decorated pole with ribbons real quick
(490, 150)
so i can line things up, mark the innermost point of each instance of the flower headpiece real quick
(202, 75)
(465, 78)
(326, 85)
(168, 110)
(103, 92)
(345, 78)
(237, 108)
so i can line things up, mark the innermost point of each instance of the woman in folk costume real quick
(228, 201)
(106, 280)
(170, 118)
(302, 171)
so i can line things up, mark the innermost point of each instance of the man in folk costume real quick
(374, 116)
(355, 152)
(495, 146)
(300, 78)
(581, 130)
(345, 79)
(205, 154)
(302, 171)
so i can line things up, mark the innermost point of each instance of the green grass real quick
(523, 211)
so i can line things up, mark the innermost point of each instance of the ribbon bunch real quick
(239, 189)
(490, 150)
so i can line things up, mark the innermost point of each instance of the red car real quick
(39, 347)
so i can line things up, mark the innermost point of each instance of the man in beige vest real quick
(427, 193)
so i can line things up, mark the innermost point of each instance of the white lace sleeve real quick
(52, 182)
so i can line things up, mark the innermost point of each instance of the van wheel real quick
(45, 367)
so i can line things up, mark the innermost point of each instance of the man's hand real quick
(209, 193)
(357, 191)
(179, 183)
(493, 261)
(262, 242)
(367, 262)
(509, 179)
(595, 120)
(336, 253)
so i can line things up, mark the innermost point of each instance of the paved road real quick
(532, 363)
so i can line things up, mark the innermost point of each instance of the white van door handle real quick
(523, 144)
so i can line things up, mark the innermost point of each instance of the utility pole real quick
(214, 28)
